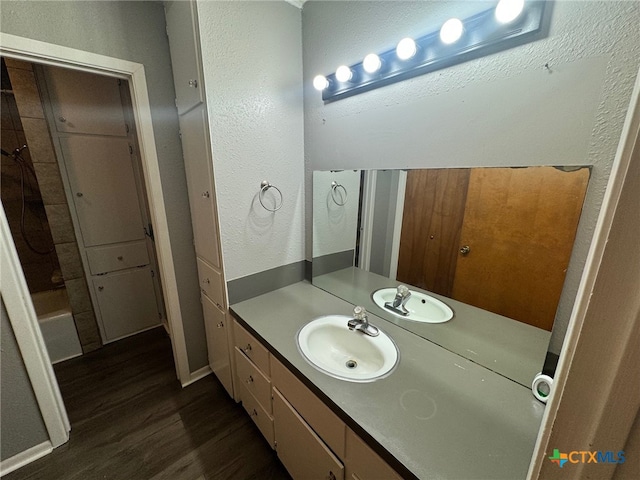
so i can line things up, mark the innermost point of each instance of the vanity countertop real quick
(438, 415)
(511, 348)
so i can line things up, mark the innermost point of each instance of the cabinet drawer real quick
(211, 284)
(253, 380)
(301, 451)
(253, 349)
(320, 417)
(117, 257)
(362, 463)
(259, 415)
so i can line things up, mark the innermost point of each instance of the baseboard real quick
(197, 375)
(23, 458)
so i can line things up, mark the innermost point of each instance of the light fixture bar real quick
(483, 34)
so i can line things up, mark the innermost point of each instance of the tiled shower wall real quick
(36, 131)
(41, 270)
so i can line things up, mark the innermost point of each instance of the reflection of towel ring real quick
(264, 186)
(334, 191)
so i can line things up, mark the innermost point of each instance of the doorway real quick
(86, 178)
(20, 311)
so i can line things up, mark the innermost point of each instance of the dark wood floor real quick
(130, 419)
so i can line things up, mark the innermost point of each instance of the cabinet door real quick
(127, 302)
(77, 96)
(311, 408)
(211, 283)
(362, 463)
(182, 29)
(104, 190)
(199, 169)
(300, 450)
(216, 329)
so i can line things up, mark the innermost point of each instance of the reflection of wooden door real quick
(519, 224)
(431, 224)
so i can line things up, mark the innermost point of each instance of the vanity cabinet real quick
(182, 29)
(362, 463)
(294, 420)
(294, 435)
(253, 381)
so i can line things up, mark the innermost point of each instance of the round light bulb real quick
(508, 10)
(451, 31)
(406, 48)
(371, 63)
(320, 82)
(343, 73)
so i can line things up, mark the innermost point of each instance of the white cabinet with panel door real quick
(199, 170)
(216, 327)
(126, 301)
(182, 29)
(96, 149)
(103, 189)
(185, 54)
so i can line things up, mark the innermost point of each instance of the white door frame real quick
(32, 347)
(366, 227)
(397, 225)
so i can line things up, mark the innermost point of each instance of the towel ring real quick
(334, 191)
(264, 186)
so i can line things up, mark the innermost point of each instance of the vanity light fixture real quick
(320, 82)
(508, 10)
(371, 63)
(343, 73)
(510, 23)
(406, 48)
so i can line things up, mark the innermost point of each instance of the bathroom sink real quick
(421, 307)
(329, 345)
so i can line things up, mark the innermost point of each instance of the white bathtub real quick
(56, 324)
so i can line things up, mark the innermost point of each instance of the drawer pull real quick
(331, 476)
(220, 325)
(205, 195)
(120, 257)
(254, 413)
(100, 288)
(249, 380)
(206, 280)
(247, 348)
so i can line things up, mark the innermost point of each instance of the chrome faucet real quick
(399, 302)
(360, 322)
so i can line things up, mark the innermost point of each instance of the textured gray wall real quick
(134, 31)
(504, 109)
(21, 425)
(252, 65)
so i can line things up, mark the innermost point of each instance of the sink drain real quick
(351, 364)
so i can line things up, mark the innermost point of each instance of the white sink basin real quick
(329, 345)
(421, 307)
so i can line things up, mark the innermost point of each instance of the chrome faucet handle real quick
(403, 291)
(359, 313)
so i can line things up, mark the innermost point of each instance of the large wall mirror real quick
(483, 251)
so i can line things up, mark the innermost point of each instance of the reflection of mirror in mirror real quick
(493, 243)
